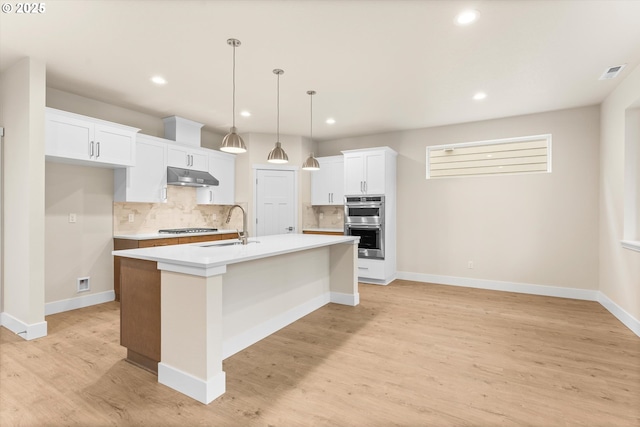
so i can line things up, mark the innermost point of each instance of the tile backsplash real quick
(323, 216)
(180, 211)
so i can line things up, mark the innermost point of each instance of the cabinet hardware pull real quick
(90, 149)
(210, 196)
(97, 149)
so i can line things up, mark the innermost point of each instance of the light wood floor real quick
(411, 354)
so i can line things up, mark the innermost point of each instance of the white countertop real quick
(220, 253)
(149, 236)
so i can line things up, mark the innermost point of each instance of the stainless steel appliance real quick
(186, 230)
(364, 217)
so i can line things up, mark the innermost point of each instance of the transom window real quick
(528, 154)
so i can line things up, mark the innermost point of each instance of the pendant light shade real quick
(311, 164)
(232, 142)
(278, 155)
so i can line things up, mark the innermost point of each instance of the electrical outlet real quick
(131, 217)
(470, 264)
(72, 218)
(339, 215)
(321, 215)
(214, 217)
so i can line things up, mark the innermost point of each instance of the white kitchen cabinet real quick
(146, 182)
(369, 171)
(84, 140)
(327, 184)
(223, 167)
(186, 157)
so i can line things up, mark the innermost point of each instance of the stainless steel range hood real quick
(190, 178)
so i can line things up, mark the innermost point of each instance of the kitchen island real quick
(185, 308)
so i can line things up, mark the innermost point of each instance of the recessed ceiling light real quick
(245, 113)
(330, 121)
(479, 96)
(159, 80)
(467, 17)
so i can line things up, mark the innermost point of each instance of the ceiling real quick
(377, 66)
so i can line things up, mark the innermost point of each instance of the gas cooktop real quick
(186, 230)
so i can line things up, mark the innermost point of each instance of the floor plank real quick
(411, 354)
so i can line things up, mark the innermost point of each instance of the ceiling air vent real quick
(612, 72)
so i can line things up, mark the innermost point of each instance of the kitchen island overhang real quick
(216, 299)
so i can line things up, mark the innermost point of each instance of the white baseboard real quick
(241, 341)
(24, 330)
(345, 299)
(196, 388)
(627, 320)
(524, 288)
(78, 302)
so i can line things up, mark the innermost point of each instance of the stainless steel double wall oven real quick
(364, 217)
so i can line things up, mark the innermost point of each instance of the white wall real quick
(22, 99)
(83, 248)
(619, 267)
(536, 229)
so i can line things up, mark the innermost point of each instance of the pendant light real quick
(277, 155)
(311, 164)
(232, 142)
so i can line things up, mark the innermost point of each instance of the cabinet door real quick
(114, 146)
(68, 137)
(335, 170)
(199, 160)
(353, 174)
(374, 173)
(320, 192)
(146, 182)
(178, 156)
(223, 167)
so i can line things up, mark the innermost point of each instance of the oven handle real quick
(363, 225)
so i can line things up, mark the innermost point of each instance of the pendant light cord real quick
(311, 118)
(233, 103)
(278, 111)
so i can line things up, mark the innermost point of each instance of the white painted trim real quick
(196, 388)
(24, 330)
(627, 319)
(78, 302)
(495, 285)
(552, 291)
(631, 244)
(239, 342)
(192, 270)
(345, 299)
(384, 282)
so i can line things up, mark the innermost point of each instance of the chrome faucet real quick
(245, 234)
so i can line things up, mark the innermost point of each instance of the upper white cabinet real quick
(327, 184)
(223, 167)
(146, 182)
(369, 171)
(182, 156)
(81, 139)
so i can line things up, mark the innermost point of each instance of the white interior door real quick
(275, 202)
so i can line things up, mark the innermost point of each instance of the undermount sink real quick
(227, 244)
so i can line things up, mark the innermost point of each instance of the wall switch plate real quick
(131, 217)
(72, 218)
(214, 217)
(321, 215)
(470, 264)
